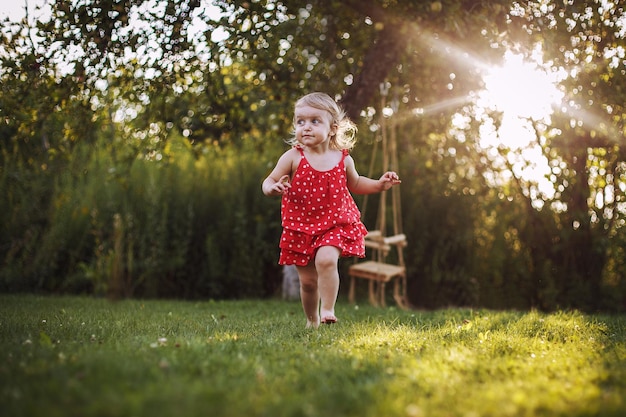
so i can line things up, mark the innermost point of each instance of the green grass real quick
(91, 357)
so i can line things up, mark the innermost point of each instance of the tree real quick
(583, 39)
(134, 75)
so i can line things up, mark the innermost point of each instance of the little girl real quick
(320, 219)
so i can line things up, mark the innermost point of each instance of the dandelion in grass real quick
(161, 341)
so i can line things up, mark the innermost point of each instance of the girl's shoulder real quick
(292, 158)
(347, 159)
(291, 153)
(295, 152)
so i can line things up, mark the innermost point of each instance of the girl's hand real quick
(281, 186)
(388, 180)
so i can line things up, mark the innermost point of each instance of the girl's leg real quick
(309, 294)
(326, 261)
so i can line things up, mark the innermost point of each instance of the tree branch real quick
(379, 60)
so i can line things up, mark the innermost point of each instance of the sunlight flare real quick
(522, 89)
(525, 93)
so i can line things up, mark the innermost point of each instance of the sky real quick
(14, 9)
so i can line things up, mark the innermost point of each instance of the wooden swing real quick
(376, 270)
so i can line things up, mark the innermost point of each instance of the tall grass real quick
(92, 357)
(183, 223)
(139, 217)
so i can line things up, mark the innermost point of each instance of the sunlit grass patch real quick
(91, 357)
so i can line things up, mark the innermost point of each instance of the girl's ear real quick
(333, 129)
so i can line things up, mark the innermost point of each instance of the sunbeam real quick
(524, 92)
(439, 106)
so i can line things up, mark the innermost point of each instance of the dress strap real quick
(300, 149)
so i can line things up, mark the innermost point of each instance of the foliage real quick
(153, 229)
(134, 137)
(82, 356)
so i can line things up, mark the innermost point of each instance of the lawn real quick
(74, 356)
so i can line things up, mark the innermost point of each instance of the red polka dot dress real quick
(318, 210)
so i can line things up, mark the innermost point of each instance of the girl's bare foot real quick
(313, 324)
(328, 318)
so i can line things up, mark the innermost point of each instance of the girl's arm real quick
(359, 184)
(278, 181)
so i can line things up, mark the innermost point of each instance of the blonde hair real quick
(345, 137)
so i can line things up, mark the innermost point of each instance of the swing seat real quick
(380, 273)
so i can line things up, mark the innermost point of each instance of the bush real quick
(183, 224)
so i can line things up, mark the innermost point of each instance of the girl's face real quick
(313, 126)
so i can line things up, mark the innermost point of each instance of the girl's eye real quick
(301, 122)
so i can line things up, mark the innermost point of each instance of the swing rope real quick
(378, 272)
